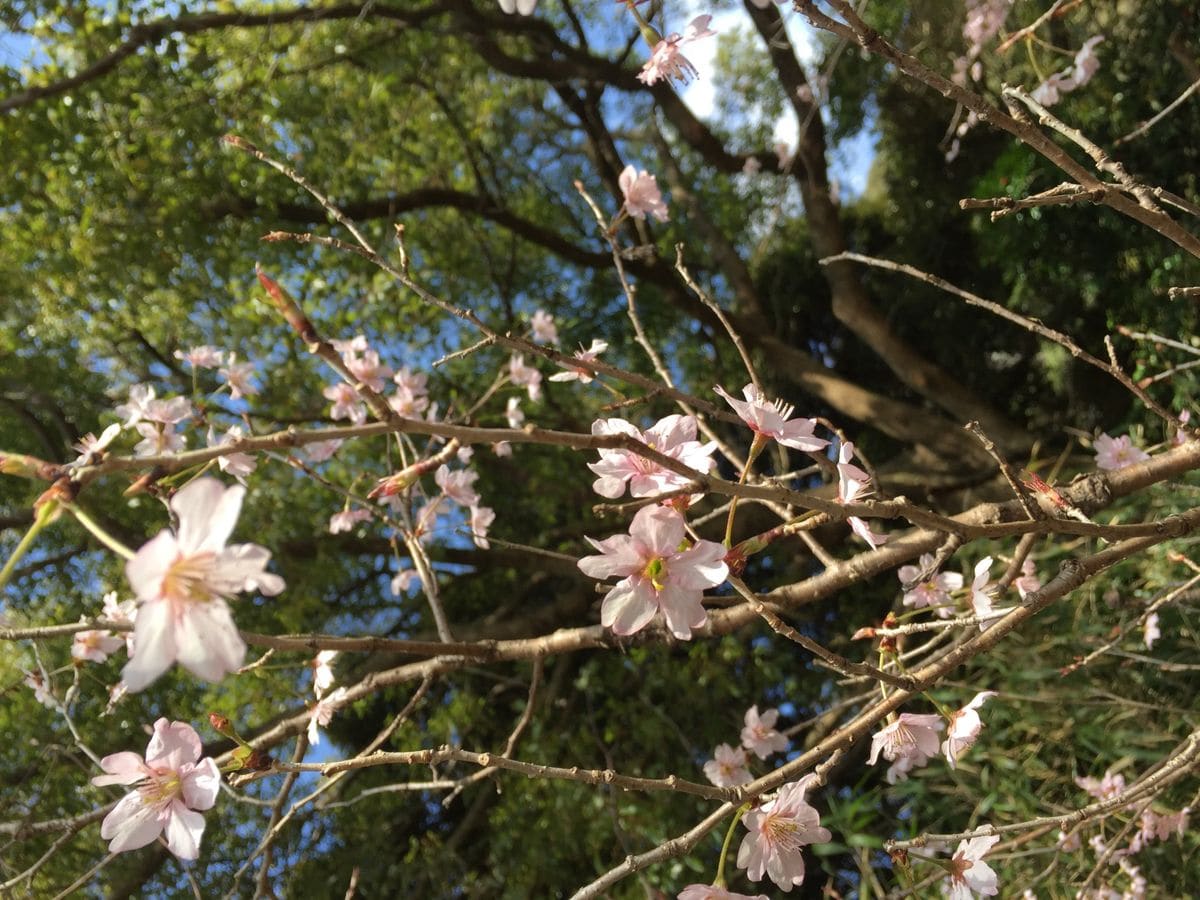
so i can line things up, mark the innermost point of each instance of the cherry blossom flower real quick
(521, 7)
(1029, 581)
(123, 613)
(513, 413)
(853, 484)
(908, 742)
(982, 591)
(346, 403)
(320, 451)
(91, 447)
(1117, 453)
(969, 874)
(1086, 63)
(713, 892)
(175, 786)
(356, 344)
(1150, 630)
(656, 576)
(95, 645)
(408, 404)
(135, 408)
(368, 369)
(1103, 788)
(964, 729)
(641, 193)
(157, 439)
(482, 518)
(773, 420)
(544, 329)
(323, 672)
(759, 736)
(237, 376)
(1068, 843)
(1181, 434)
(935, 591)
(239, 465)
(322, 713)
(667, 60)
(168, 412)
(583, 376)
(525, 376)
(403, 580)
(202, 357)
(347, 519)
(183, 581)
(41, 690)
(417, 383)
(1157, 826)
(674, 436)
(458, 486)
(502, 448)
(727, 768)
(779, 830)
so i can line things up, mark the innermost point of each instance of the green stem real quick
(41, 520)
(99, 533)
(756, 448)
(737, 817)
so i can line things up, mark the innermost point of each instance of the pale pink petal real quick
(623, 556)
(131, 824)
(184, 830)
(682, 610)
(173, 745)
(207, 512)
(154, 645)
(122, 768)
(202, 785)
(628, 607)
(150, 564)
(209, 645)
(659, 528)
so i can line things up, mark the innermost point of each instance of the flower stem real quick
(99, 533)
(41, 520)
(719, 881)
(756, 448)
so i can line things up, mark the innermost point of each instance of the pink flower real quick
(502, 448)
(136, 407)
(1029, 581)
(346, 403)
(727, 768)
(513, 413)
(772, 420)
(779, 829)
(525, 376)
(1160, 827)
(712, 892)
(674, 436)
(521, 7)
(656, 575)
(544, 329)
(667, 61)
(202, 357)
(965, 726)
(642, 196)
(458, 486)
(1117, 453)
(175, 783)
(408, 404)
(1151, 631)
(320, 451)
(1087, 63)
(124, 613)
(760, 736)
(415, 383)
(322, 713)
(853, 484)
(935, 592)
(91, 447)
(239, 465)
(323, 672)
(969, 874)
(982, 591)
(183, 581)
(356, 344)
(482, 518)
(1181, 435)
(347, 519)
(583, 376)
(95, 645)
(41, 691)
(157, 439)
(403, 580)
(1068, 843)
(237, 376)
(1105, 788)
(368, 369)
(908, 742)
(1050, 91)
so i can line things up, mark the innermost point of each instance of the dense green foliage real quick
(131, 232)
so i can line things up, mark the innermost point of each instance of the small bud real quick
(220, 723)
